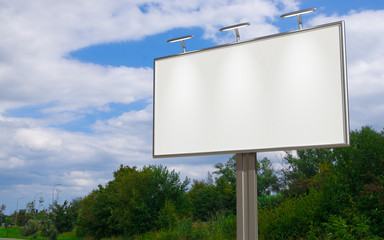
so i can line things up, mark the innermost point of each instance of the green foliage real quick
(21, 219)
(167, 216)
(11, 232)
(31, 228)
(265, 201)
(64, 216)
(132, 203)
(203, 199)
(49, 229)
(302, 167)
(267, 179)
(291, 218)
(2, 216)
(16, 233)
(322, 194)
(8, 223)
(225, 189)
(332, 193)
(218, 227)
(338, 227)
(94, 214)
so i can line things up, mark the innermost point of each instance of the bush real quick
(348, 227)
(167, 216)
(292, 218)
(31, 228)
(49, 230)
(223, 227)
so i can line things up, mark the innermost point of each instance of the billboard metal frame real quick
(344, 88)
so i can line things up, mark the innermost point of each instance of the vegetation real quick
(320, 194)
(16, 232)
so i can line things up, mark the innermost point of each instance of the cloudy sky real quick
(76, 81)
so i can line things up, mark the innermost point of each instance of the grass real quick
(15, 232)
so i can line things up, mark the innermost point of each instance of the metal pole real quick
(246, 196)
(300, 21)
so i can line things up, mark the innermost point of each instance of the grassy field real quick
(16, 233)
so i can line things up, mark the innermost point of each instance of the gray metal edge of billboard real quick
(345, 102)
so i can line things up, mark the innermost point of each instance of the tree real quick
(305, 164)
(344, 197)
(31, 228)
(167, 216)
(267, 179)
(49, 229)
(64, 216)
(2, 216)
(302, 167)
(21, 217)
(226, 186)
(357, 178)
(132, 202)
(203, 199)
(94, 212)
(8, 223)
(30, 211)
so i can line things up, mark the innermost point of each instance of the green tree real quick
(2, 216)
(31, 228)
(267, 180)
(21, 217)
(302, 166)
(132, 202)
(226, 186)
(49, 229)
(64, 216)
(94, 214)
(357, 178)
(203, 199)
(8, 224)
(30, 211)
(168, 216)
(343, 198)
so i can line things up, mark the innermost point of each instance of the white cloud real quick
(198, 172)
(37, 36)
(35, 70)
(11, 163)
(37, 139)
(82, 179)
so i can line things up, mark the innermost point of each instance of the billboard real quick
(279, 92)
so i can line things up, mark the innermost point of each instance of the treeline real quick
(154, 198)
(331, 193)
(47, 223)
(316, 194)
(319, 194)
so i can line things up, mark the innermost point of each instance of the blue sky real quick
(76, 81)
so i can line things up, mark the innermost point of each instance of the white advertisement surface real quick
(285, 91)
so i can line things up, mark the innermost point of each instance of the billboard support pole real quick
(246, 196)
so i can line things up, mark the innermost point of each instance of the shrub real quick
(31, 228)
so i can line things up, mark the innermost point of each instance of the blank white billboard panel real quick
(285, 91)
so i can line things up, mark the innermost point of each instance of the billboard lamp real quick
(181, 40)
(236, 28)
(298, 14)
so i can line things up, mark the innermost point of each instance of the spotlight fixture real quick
(181, 40)
(298, 14)
(236, 28)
